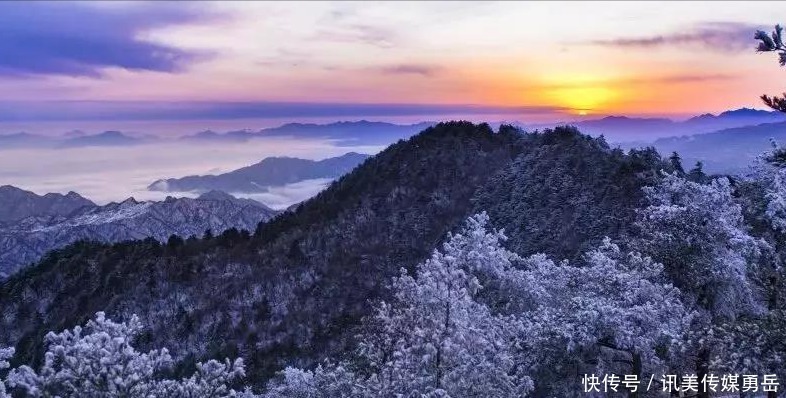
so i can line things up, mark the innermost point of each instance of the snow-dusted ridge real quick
(27, 240)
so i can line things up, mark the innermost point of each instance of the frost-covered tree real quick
(756, 344)
(476, 320)
(763, 197)
(616, 311)
(698, 233)
(331, 381)
(776, 201)
(444, 334)
(5, 355)
(441, 337)
(99, 360)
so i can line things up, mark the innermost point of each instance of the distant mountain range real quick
(38, 224)
(342, 133)
(17, 204)
(616, 129)
(725, 142)
(361, 132)
(621, 129)
(74, 139)
(730, 150)
(24, 140)
(259, 177)
(107, 138)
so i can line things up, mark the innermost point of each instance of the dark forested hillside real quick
(291, 293)
(566, 191)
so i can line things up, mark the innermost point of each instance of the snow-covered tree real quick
(100, 361)
(441, 338)
(776, 200)
(616, 311)
(764, 200)
(768, 172)
(444, 333)
(331, 381)
(756, 344)
(5, 355)
(697, 232)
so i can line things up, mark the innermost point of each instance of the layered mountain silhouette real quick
(342, 133)
(72, 139)
(730, 150)
(616, 129)
(259, 177)
(107, 138)
(623, 129)
(24, 140)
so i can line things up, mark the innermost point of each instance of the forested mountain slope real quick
(292, 293)
(566, 191)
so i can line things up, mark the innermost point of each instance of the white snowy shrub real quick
(100, 361)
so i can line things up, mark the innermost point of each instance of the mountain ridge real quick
(343, 133)
(730, 150)
(26, 240)
(259, 177)
(17, 203)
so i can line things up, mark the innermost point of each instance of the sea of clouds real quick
(107, 174)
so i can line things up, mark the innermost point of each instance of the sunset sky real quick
(531, 60)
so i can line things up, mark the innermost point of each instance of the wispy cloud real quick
(646, 80)
(360, 33)
(687, 78)
(81, 39)
(711, 36)
(410, 69)
(287, 58)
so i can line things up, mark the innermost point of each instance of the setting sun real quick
(583, 99)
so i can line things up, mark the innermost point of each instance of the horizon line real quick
(155, 110)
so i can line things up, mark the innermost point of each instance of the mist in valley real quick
(114, 173)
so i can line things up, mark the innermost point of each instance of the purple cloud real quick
(78, 39)
(683, 78)
(713, 36)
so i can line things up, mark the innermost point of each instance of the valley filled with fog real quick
(113, 173)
